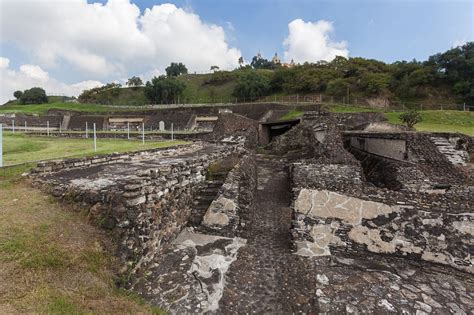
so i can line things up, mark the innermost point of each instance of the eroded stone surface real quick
(329, 204)
(217, 214)
(189, 275)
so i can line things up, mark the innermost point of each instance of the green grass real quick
(43, 108)
(342, 108)
(52, 261)
(441, 121)
(60, 305)
(33, 250)
(20, 148)
(291, 115)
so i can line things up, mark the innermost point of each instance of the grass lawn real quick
(20, 148)
(43, 108)
(342, 108)
(441, 121)
(52, 261)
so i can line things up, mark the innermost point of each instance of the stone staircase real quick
(448, 148)
(205, 196)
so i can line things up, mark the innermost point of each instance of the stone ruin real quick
(341, 213)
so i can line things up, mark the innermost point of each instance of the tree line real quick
(450, 73)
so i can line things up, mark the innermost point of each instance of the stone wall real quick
(317, 138)
(230, 212)
(145, 209)
(394, 149)
(235, 128)
(420, 209)
(336, 211)
(31, 120)
(67, 164)
(413, 159)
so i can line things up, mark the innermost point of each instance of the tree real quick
(252, 85)
(18, 94)
(337, 87)
(134, 82)
(176, 69)
(34, 95)
(241, 61)
(261, 63)
(214, 68)
(411, 118)
(164, 89)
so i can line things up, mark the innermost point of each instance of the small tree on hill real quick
(411, 118)
(34, 95)
(134, 82)
(18, 94)
(214, 68)
(176, 69)
(241, 61)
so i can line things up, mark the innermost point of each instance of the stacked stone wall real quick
(67, 164)
(236, 128)
(336, 212)
(145, 210)
(231, 211)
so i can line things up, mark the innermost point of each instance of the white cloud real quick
(113, 39)
(308, 41)
(4, 62)
(34, 72)
(30, 76)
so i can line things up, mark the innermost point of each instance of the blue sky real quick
(69, 45)
(384, 30)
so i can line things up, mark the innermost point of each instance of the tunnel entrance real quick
(269, 130)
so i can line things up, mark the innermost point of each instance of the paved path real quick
(257, 282)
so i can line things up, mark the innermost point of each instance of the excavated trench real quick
(378, 170)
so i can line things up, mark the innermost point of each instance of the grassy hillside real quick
(199, 89)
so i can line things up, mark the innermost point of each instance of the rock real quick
(322, 279)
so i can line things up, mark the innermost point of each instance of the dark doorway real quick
(269, 130)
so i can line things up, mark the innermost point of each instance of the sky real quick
(66, 46)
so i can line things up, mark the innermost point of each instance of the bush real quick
(164, 90)
(34, 95)
(411, 118)
(252, 85)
